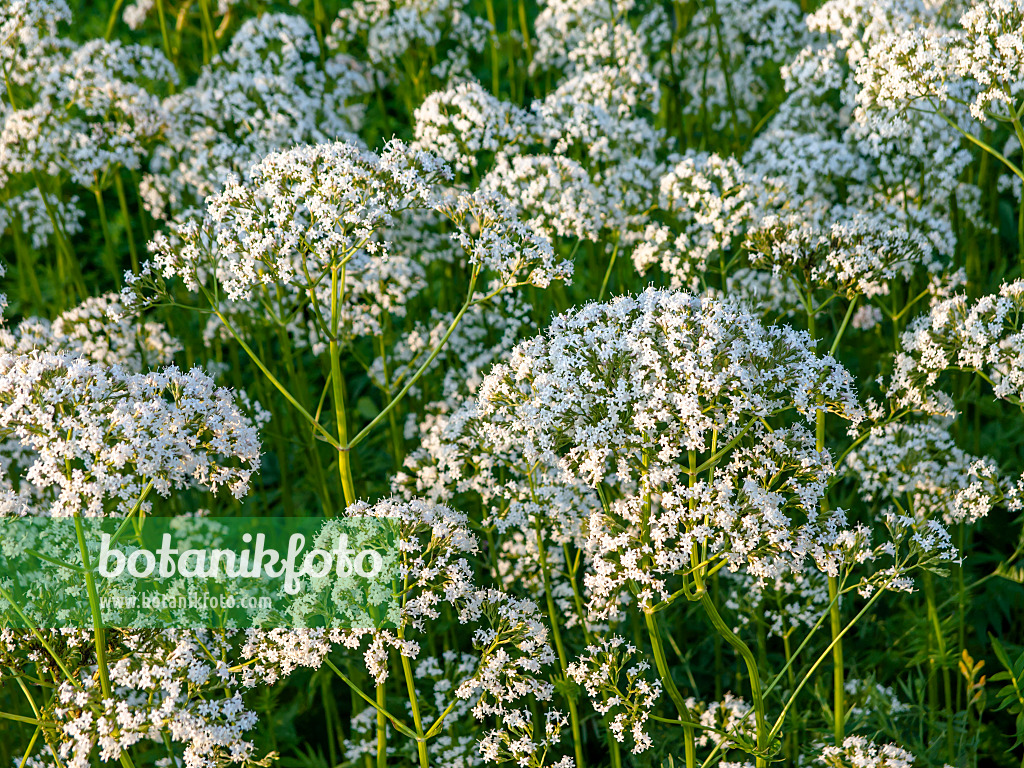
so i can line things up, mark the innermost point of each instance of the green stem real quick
(419, 372)
(208, 28)
(608, 272)
(112, 19)
(338, 389)
(824, 655)
(94, 608)
(495, 72)
(110, 255)
(317, 427)
(838, 686)
(382, 734)
(749, 661)
(421, 743)
(556, 633)
(661, 663)
(123, 202)
(341, 419)
(399, 726)
(20, 719)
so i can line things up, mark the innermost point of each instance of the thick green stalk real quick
(341, 419)
(382, 734)
(208, 28)
(756, 691)
(574, 718)
(661, 663)
(94, 609)
(338, 388)
(421, 743)
(838, 685)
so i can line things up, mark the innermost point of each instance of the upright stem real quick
(421, 744)
(382, 734)
(574, 718)
(756, 692)
(112, 19)
(838, 685)
(338, 386)
(495, 73)
(208, 27)
(94, 609)
(661, 663)
(163, 27)
(608, 272)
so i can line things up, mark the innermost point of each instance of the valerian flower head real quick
(626, 396)
(266, 91)
(984, 335)
(618, 688)
(90, 331)
(920, 466)
(88, 439)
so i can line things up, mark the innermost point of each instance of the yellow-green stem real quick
(838, 686)
(421, 742)
(574, 719)
(661, 663)
(382, 734)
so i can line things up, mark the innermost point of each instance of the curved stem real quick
(685, 717)
(756, 691)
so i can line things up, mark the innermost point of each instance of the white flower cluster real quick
(858, 256)
(982, 336)
(727, 48)
(89, 331)
(710, 202)
(463, 122)
(617, 689)
(731, 716)
(617, 394)
(859, 752)
(26, 214)
(169, 683)
(978, 63)
(83, 111)
(314, 232)
(389, 33)
(919, 467)
(88, 439)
